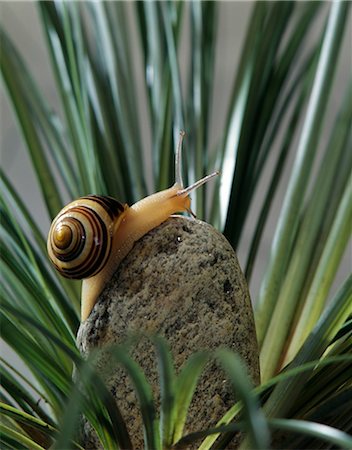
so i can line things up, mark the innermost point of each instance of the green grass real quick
(277, 111)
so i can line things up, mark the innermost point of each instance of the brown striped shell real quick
(80, 237)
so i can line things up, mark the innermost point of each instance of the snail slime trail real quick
(91, 235)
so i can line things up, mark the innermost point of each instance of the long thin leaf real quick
(51, 376)
(185, 387)
(255, 422)
(158, 83)
(22, 396)
(327, 268)
(193, 437)
(167, 392)
(263, 388)
(144, 394)
(336, 241)
(288, 220)
(30, 422)
(174, 69)
(278, 169)
(131, 153)
(238, 106)
(224, 421)
(204, 22)
(308, 235)
(279, 87)
(321, 431)
(277, 18)
(59, 387)
(340, 308)
(60, 56)
(11, 70)
(32, 283)
(110, 436)
(11, 436)
(21, 215)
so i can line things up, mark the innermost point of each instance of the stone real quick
(183, 281)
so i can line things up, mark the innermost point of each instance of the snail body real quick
(90, 237)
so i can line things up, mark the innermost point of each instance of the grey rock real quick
(183, 281)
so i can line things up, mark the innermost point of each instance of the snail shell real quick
(80, 237)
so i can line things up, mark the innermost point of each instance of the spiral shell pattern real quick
(80, 237)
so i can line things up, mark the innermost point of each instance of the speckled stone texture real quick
(183, 281)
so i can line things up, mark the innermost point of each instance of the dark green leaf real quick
(254, 420)
(185, 386)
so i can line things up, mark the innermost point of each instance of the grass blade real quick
(167, 391)
(46, 369)
(321, 431)
(111, 429)
(204, 20)
(185, 386)
(323, 388)
(224, 421)
(8, 192)
(75, 54)
(280, 90)
(191, 438)
(287, 225)
(332, 253)
(12, 437)
(308, 234)
(29, 230)
(158, 87)
(254, 420)
(144, 394)
(159, 83)
(32, 282)
(130, 153)
(42, 431)
(326, 270)
(292, 371)
(46, 122)
(12, 68)
(56, 29)
(285, 393)
(21, 394)
(69, 422)
(238, 106)
(30, 291)
(278, 15)
(179, 122)
(277, 173)
(285, 375)
(90, 396)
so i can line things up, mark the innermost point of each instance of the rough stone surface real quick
(182, 280)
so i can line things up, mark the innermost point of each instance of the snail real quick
(91, 235)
